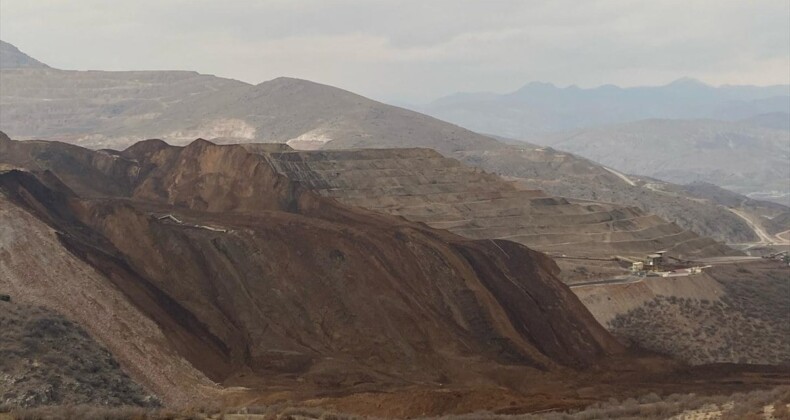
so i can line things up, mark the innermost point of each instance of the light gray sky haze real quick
(415, 50)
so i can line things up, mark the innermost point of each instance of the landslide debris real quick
(258, 281)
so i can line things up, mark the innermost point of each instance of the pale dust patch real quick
(218, 128)
(311, 140)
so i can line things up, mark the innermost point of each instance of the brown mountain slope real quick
(774, 217)
(276, 283)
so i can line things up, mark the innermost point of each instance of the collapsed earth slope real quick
(279, 287)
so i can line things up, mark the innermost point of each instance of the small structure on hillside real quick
(655, 261)
(637, 266)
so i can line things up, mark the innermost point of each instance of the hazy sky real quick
(407, 50)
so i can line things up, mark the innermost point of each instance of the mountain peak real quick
(688, 82)
(301, 88)
(11, 57)
(533, 87)
(289, 81)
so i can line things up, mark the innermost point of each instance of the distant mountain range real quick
(542, 107)
(687, 131)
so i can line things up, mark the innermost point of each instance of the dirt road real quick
(765, 237)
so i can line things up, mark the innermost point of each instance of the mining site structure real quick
(655, 261)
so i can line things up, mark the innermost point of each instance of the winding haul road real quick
(765, 237)
(621, 176)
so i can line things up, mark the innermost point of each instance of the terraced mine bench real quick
(422, 185)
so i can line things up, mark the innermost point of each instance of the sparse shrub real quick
(54, 362)
(649, 398)
(747, 325)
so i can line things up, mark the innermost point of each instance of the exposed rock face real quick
(256, 280)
